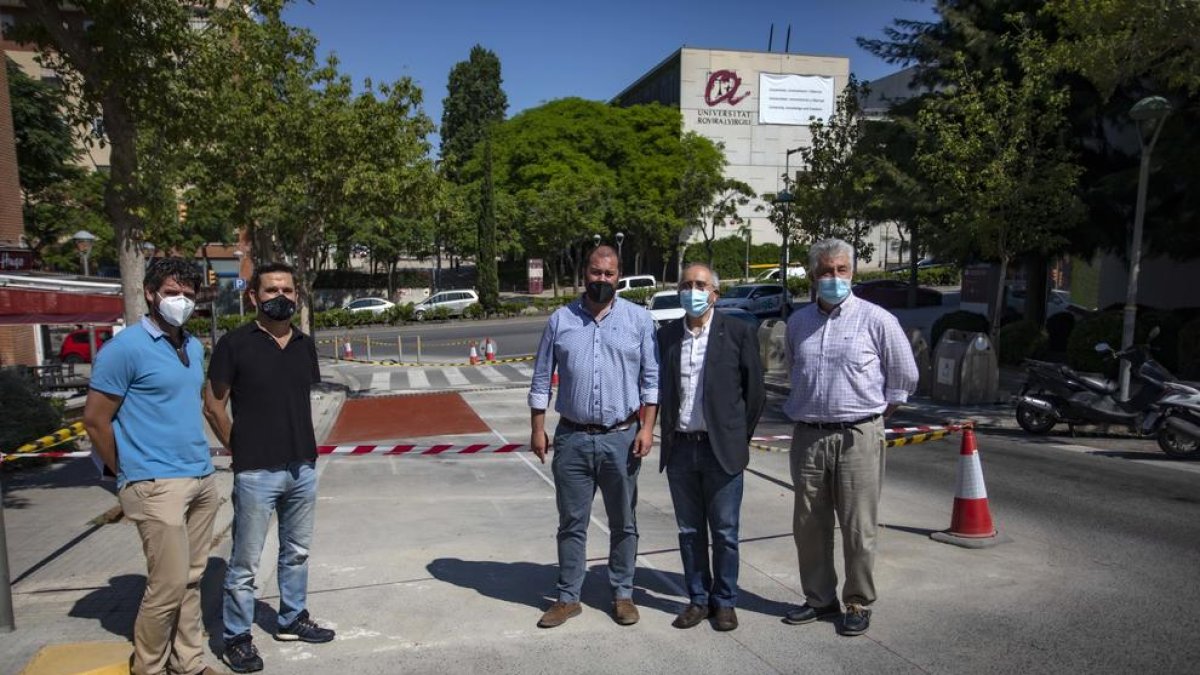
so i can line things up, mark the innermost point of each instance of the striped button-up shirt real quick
(847, 364)
(606, 368)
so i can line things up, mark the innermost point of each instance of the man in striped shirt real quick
(605, 351)
(850, 365)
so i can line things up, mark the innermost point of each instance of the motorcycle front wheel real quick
(1178, 445)
(1033, 420)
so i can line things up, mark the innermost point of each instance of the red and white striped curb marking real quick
(477, 449)
(894, 431)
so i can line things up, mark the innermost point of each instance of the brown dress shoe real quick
(558, 614)
(691, 616)
(625, 612)
(726, 619)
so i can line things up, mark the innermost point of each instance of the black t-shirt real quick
(269, 387)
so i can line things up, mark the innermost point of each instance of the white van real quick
(635, 282)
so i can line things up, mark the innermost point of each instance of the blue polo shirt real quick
(159, 428)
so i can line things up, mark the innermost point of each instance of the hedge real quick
(1020, 340)
(27, 415)
(1168, 348)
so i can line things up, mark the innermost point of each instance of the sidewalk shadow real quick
(115, 606)
(532, 584)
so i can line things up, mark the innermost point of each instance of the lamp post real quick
(595, 240)
(784, 199)
(1149, 114)
(84, 241)
(620, 240)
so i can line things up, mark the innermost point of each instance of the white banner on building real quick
(794, 99)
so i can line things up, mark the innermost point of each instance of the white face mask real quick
(176, 309)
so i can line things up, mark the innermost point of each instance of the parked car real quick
(739, 315)
(758, 299)
(75, 349)
(893, 294)
(1058, 302)
(456, 302)
(664, 306)
(635, 282)
(772, 275)
(373, 305)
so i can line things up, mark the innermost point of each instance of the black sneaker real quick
(807, 614)
(304, 629)
(241, 655)
(856, 621)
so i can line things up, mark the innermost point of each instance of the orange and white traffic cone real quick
(489, 350)
(554, 379)
(348, 351)
(474, 355)
(971, 523)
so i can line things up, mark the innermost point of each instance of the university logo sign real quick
(723, 86)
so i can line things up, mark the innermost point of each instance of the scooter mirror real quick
(1103, 347)
(1153, 334)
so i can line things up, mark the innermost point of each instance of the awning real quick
(24, 306)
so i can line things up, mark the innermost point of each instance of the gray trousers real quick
(837, 472)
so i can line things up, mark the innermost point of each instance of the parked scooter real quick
(1055, 393)
(1179, 420)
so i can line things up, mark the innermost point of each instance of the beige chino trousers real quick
(174, 517)
(837, 472)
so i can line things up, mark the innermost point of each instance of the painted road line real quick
(493, 375)
(455, 377)
(524, 369)
(417, 379)
(381, 379)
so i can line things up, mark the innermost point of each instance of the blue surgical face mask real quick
(695, 303)
(833, 290)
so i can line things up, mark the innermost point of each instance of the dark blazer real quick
(734, 394)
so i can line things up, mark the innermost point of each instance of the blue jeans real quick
(706, 498)
(581, 463)
(290, 491)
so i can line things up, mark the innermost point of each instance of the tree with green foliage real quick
(474, 101)
(1000, 170)
(833, 193)
(125, 67)
(723, 209)
(489, 280)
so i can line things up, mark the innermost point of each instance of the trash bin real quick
(965, 369)
(920, 349)
(772, 346)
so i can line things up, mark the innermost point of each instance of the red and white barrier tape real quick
(476, 449)
(894, 432)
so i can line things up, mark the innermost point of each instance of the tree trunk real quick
(998, 309)
(120, 204)
(912, 270)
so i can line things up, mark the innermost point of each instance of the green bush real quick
(397, 314)
(959, 320)
(639, 295)
(729, 256)
(437, 314)
(474, 311)
(551, 304)
(27, 416)
(1188, 350)
(1109, 327)
(799, 288)
(512, 308)
(1021, 340)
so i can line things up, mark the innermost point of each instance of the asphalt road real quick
(449, 341)
(444, 564)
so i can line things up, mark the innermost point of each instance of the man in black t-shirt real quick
(267, 368)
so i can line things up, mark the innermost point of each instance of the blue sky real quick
(593, 50)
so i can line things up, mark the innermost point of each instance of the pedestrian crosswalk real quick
(379, 379)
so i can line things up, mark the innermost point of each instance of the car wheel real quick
(419, 316)
(73, 359)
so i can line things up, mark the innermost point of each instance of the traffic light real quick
(212, 277)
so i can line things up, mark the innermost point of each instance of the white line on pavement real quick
(417, 379)
(455, 377)
(493, 375)
(381, 379)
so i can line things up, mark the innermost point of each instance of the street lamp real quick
(84, 241)
(1149, 114)
(148, 249)
(595, 240)
(620, 239)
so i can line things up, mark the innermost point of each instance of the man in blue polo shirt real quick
(143, 415)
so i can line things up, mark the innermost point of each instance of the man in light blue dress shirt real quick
(604, 350)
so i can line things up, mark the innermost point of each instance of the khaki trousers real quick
(174, 517)
(837, 472)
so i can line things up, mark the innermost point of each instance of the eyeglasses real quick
(696, 286)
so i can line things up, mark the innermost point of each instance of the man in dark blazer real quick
(710, 397)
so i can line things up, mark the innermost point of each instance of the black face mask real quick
(600, 292)
(279, 308)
